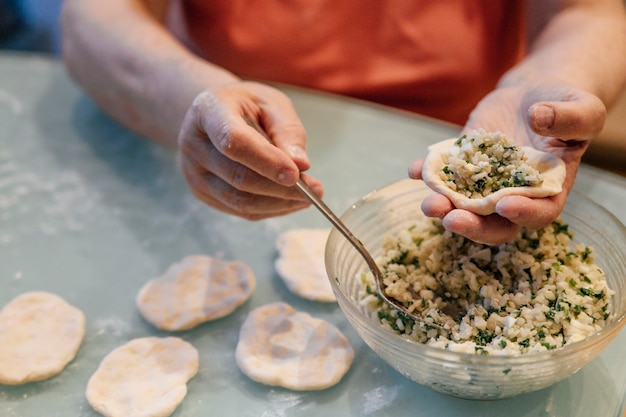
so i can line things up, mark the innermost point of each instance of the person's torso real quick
(435, 57)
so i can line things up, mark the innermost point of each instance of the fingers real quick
(221, 196)
(415, 169)
(245, 200)
(282, 124)
(436, 205)
(531, 213)
(582, 118)
(234, 174)
(492, 229)
(512, 213)
(214, 118)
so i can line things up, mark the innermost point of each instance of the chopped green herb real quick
(561, 228)
(483, 337)
(587, 292)
(480, 350)
(519, 179)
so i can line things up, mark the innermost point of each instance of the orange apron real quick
(433, 57)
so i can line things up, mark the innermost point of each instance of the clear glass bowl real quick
(394, 208)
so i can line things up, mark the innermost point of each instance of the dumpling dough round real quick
(40, 333)
(301, 263)
(550, 166)
(146, 377)
(195, 290)
(281, 346)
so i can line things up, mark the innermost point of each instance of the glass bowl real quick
(395, 208)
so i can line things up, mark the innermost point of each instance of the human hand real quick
(231, 166)
(551, 117)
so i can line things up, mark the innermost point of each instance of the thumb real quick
(581, 118)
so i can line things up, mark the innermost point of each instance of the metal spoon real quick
(328, 213)
(371, 264)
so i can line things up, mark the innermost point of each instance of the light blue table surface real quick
(90, 212)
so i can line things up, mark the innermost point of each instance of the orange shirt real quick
(434, 57)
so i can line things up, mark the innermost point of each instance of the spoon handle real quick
(328, 213)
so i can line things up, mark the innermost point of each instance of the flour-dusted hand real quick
(232, 167)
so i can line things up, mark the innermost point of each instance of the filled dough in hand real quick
(476, 170)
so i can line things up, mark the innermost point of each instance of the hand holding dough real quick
(456, 157)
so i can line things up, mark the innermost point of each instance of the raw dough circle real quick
(40, 333)
(300, 263)
(281, 346)
(146, 377)
(549, 165)
(195, 290)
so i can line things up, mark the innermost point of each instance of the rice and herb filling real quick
(482, 162)
(538, 292)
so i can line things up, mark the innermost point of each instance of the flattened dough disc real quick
(40, 333)
(195, 290)
(146, 377)
(281, 346)
(301, 263)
